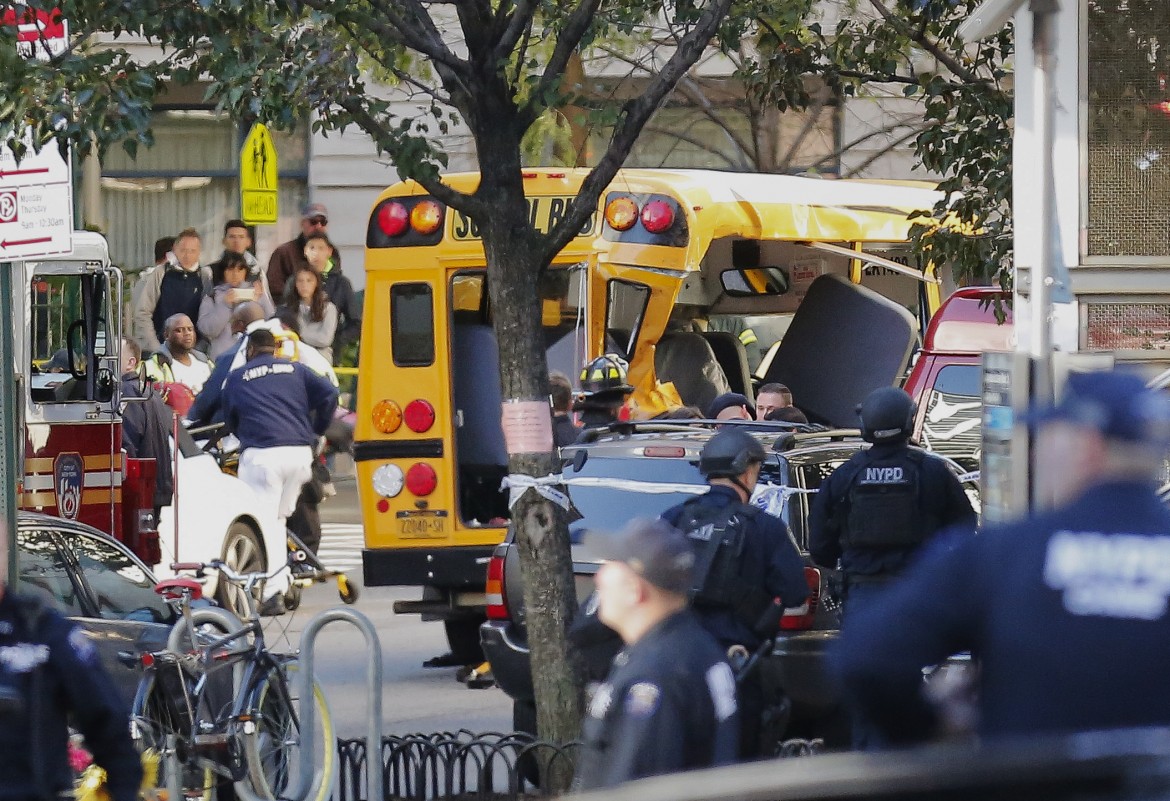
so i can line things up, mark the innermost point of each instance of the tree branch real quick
(406, 78)
(930, 46)
(358, 110)
(566, 43)
(814, 114)
(896, 143)
(636, 114)
(519, 21)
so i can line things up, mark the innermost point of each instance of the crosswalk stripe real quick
(341, 545)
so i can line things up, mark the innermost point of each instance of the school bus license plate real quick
(422, 525)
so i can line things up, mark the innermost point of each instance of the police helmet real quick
(729, 453)
(887, 415)
(605, 375)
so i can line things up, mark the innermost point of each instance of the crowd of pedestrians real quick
(252, 350)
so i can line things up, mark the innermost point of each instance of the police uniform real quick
(667, 705)
(1067, 613)
(767, 563)
(875, 511)
(49, 670)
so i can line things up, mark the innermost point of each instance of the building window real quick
(1128, 131)
(189, 178)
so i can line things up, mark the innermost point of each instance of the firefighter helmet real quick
(887, 415)
(605, 374)
(729, 453)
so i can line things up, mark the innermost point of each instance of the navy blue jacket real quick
(942, 496)
(271, 402)
(208, 405)
(667, 705)
(769, 561)
(1066, 613)
(53, 669)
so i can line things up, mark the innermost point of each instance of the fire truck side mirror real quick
(105, 385)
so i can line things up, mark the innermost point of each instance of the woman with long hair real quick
(305, 295)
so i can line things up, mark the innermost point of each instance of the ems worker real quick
(745, 558)
(875, 511)
(49, 671)
(277, 409)
(1067, 609)
(603, 392)
(668, 703)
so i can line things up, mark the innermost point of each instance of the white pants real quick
(276, 475)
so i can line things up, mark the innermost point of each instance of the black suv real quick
(640, 470)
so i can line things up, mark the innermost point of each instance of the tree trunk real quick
(541, 526)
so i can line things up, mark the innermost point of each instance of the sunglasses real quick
(319, 220)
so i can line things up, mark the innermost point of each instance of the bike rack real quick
(309, 710)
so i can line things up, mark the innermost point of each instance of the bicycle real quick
(220, 708)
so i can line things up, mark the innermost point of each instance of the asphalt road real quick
(414, 698)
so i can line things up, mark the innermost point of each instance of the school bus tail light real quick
(387, 416)
(419, 416)
(387, 480)
(421, 479)
(426, 217)
(657, 216)
(394, 219)
(621, 213)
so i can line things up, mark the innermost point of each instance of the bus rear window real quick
(412, 325)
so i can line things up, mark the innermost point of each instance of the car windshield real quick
(634, 487)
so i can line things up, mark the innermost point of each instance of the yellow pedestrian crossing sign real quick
(258, 177)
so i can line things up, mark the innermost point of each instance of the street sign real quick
(36, 194)
(40, 35)
(258, 177)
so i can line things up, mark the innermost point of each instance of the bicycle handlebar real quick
(226, 571)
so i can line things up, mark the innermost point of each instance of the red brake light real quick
(393, 219)
(801, 617)
(496, 608)
(419, 416)
(421, 479)
(657, 216)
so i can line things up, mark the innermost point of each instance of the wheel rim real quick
(153, 726)
(274, 748)
(242, 554)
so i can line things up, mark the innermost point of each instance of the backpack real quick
(718, 537)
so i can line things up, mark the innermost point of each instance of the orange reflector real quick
(426, 217)
(387, 416)
(621, 213)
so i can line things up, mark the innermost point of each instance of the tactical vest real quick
(718, 537)
(884, 503)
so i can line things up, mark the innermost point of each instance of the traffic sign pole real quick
(10, 443)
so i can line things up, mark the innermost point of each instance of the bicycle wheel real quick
(273, 739)
(157, 725)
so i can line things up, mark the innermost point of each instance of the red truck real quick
(946, 378)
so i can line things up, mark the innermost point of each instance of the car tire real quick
(463, 637)
(243, 552)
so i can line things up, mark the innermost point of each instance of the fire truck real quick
(68, 311)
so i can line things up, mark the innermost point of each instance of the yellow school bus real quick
(673, 263)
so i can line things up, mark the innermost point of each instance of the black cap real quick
(658, 552)
(726, 401)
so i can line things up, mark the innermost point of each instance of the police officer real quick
(745, 559)
(277, 409)
(603, 391)
(49, 670)
(875, 511)
(668, 703)
(1067, 609)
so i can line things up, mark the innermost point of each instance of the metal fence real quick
(467, 766)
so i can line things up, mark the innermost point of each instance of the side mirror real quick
(754, 281)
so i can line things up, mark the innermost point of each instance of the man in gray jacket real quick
(174, 287)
